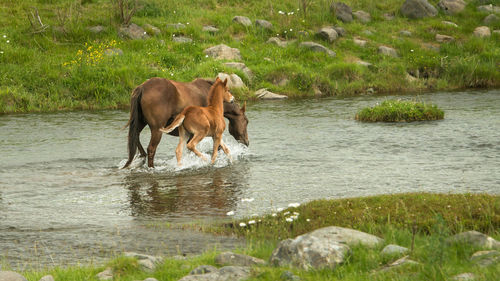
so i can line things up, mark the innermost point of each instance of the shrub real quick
(400, 111)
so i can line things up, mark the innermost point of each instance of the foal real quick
(203, 121)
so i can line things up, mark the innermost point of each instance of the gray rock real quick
(47, 278)
(491, 19)
(11, 276)
(431, 47)
(348, 236)
(328, 33)
(388, 16)
(281, 81)
(182, 39)
(264, 24)
(449, 23)
(133, 31)
(392, 249)
(340, 30)
(496, 31)
(342, 11)
(176, 26)
(150, 279)
(241, 66)
(227, 273)
(242, 20)
(488, 8)
(482, 31)
(417, 9)
(278, 42)
(364, 63)
(486, 258)
(151, 29)
(107, 274)
(288, 275)
(388, 51)
(230, 258)
(203, 269)
(464, 277)
(405, 33)
(452, 7)
(309, 252)
(147, 262)
(362, 16)
(475, 239)
(317, 48)
(264, 94)
(222, 51)
(404, 261)
(233, 80)
(113, 52)
(444, 38)
(210, 28)
(359, 42)
(97, 29)
(367, 32)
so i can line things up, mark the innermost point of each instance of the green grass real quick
(400, 111)
(36, 73)
(420, 219)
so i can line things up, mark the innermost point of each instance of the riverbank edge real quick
(483, 211)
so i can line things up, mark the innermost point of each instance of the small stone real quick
(444, 38)
(367, 32)
(150, 279)
(363, 63)
(230, 258)
(449, 23)
(359, 42)
(227, 273)
(264, 94)
(404, 261)
(175, 26)
(417, 9)
(242, 20)
(317, 48)
(11, 276)
(97, 29)
(133, 31)
(388, 16)
(210, 29)
(241, 66)
(46, 278)
(488, 8)
(452, 7)
(288, 275)
(203, 269)
(475, 239)
(107, 274)
(281, 81)
(223, 52)
(233, 80)
(362, 16)
(405, 33)
(387, 51)
(392, 249)
(482, 31)
(340, 30)
(328, 33)
(464, 277)
(342, 11)
(264, 24)
(151, 29)
(486, 258)
(182, 39)
(491, 19)
(277, 41)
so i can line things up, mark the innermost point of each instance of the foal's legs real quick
(217, 141)
(226, 150)
(193, 142)
(182, 141)
(153, 144)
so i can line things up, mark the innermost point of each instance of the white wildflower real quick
(242, 224)
(247, 199)
(4, 36)
(8, 41)
(289, 219)
(251, 222)
(411, 50)
(308, 220)
(295, 213)
(230, 213)
(281, 12)
(206, 56)
(294, 205)
(286, 213)
(280, 209)
(291, 30)
(187, 23)
(274, 214)
(1, 52)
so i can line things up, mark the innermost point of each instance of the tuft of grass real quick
(400, 111)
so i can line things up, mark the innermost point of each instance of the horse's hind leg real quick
(217, 143)
(153, 144)
(139, 145)
(192, 145)
(182, 141)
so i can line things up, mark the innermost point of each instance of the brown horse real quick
(157, 101)
(203, 121)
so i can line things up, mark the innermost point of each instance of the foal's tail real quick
(176, 123)
(133, 124)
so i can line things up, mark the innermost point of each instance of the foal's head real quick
(220, 85)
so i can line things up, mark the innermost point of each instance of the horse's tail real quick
(133, 124)
(176, 123)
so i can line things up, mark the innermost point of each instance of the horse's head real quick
(238, 121)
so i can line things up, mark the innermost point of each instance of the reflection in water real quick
(210, 193)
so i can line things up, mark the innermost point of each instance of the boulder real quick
(444, 38)
(133, 31)
(482, 31)
(47, 278)
(227, 273)
(486, 258)
(362, 16)
(317, 48)
(387, 51)
(475, 239)
(175, 26)
(488, 8)
(264, 24)
(452, 7)
(241, 66)
(464, 277)
(182, 39)
(359, 42)
(233, 80)
(328, 33)
(230, 258)
(203, 269)
(348, 236)
(11, 276)
(278, 42)
(264, 94)
(242, 20)
(417, 9)
(147, 262)
(491, 19)
(392, 249)
(222, 51)
(210, 28)
(342, 11)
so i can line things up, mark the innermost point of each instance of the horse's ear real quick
(217, 79)
(244, 108)
(225, 82)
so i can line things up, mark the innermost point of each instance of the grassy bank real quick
(60, 64)
(422, 220)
